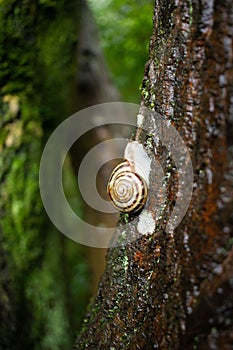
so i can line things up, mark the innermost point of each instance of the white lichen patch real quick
(140, 119)
(125, 263)
(146, 223)
(136, 154)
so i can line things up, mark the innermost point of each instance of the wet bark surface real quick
(173, 290)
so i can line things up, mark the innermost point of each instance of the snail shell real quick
(126, 188)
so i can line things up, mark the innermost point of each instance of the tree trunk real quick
(92, 85)
(173, 289)
(35, 80)
(43, 46)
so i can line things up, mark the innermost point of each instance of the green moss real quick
(45, 293)
(125, 217)
(36, 47)
(191, 12)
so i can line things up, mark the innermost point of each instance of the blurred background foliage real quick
(125, 27)
(45, 277)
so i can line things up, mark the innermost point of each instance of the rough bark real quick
(174, 290)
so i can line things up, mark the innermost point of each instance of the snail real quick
(128, 184)
(127, 188)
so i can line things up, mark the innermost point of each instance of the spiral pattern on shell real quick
(127, 189)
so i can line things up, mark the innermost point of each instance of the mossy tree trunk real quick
(43, 46)
(174, 290)
(37, 40)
